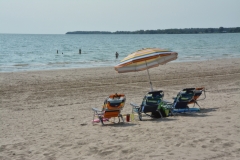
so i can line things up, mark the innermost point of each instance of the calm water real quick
(19, 52)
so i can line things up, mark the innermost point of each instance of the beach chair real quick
(152, 105)
(186, 97)
(111, 108)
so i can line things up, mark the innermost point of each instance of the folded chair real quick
(152, 105)
(111, 108)
(185, 97)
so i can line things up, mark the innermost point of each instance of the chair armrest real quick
(134, 105)
(96, 110)
(167, 102)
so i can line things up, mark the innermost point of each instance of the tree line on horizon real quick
(167, 31)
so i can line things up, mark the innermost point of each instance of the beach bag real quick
(164, 110)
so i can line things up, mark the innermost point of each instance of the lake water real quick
(24, 52)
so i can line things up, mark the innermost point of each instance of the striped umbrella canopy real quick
(145, 59)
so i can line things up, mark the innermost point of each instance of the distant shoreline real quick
(167, 31)
(107, 67)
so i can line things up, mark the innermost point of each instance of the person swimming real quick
(116, 54)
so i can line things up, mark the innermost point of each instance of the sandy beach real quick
(47, 114)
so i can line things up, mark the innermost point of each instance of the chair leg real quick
(140, 116)
(197, 104)
(160, 113)
(171, 113)
(122, 119)
(93, 117)
(101, 119)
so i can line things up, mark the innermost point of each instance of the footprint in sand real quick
(178, 145)
(204, 146)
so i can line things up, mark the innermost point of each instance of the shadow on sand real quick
(202, 113)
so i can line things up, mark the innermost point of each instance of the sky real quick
(61, 16)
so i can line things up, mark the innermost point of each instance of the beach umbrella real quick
(145, 59)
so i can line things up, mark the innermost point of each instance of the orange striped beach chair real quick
(111, 108)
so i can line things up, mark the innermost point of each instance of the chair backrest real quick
(153, 98)
(115, 102)
(150, 104)
(186, 97)
(155, 94)
(198, 93)
(190, 95)
(152, 101)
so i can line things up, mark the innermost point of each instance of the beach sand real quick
(47, 114)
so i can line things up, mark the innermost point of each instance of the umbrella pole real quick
(149, 78)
